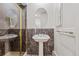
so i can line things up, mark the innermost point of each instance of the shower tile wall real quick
(33, 47)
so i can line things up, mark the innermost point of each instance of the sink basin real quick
(8, 36)
(41, 37)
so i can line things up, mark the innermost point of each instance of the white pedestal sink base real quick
(6, 46)
(40, 48)
(41, 38)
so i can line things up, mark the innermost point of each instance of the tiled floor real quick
(37, 55)
(13, 54)
(28, 54)
(17, 54)
(23, 54)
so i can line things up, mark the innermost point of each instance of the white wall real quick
(70, 11)
(65, 43)
(3, 24)
(52, 10)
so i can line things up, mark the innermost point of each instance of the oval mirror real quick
(12, 18)
(41, 18)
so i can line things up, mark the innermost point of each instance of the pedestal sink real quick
(41, 38)
(6, 38)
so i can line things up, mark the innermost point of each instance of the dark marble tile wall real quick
(2, 48)
(33, 46)
(15, 44)
(2, 42)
